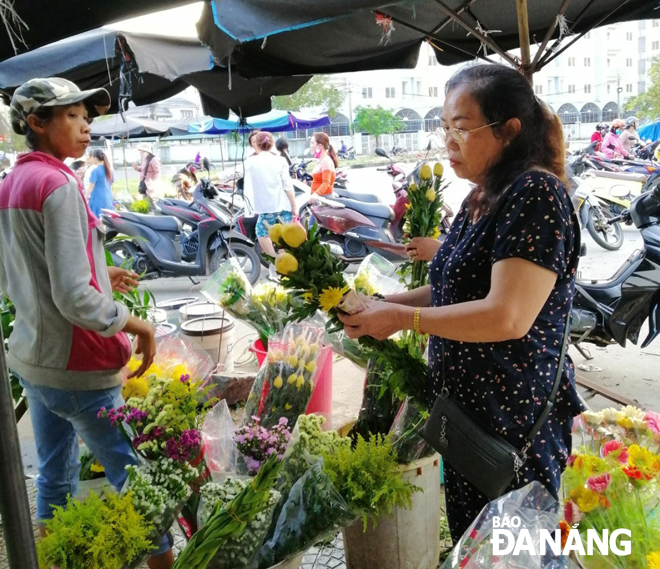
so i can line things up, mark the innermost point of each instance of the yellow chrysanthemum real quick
(653, 560)
(643, 459)
(408, 205)
(97, 467)
(589, 465)
(307, 296)
(425, 172)
(331, 297)
(364, 284)
(587, 500)
(625, 422)
(430, 194)
(288, 407)
(277, 382)
(412, 188)
(438, 170)
(135, 387)
(436, 233)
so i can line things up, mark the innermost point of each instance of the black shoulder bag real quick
(485, 459)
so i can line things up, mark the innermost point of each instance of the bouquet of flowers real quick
(286, 380)
(237, 552)
(256, 444)
(609, 485)
(406, 441)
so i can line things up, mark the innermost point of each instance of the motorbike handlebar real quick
(382, 169)
(623, 216)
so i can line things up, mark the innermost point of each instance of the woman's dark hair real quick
(503, 93)
(252, 134)
(98, 154)
(264, 141)
(76, 164)
(324, 140)
(281, 144)
(44, 114)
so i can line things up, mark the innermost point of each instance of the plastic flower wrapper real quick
(536, 509)
(376, 275)
(219, 446)
(286, 380)
(346, 347)
(313, 510)
(237, 552)
(406, 441)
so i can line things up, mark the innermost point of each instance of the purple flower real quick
(184, 378)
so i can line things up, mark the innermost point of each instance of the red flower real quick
(572, 512)
(599, 483)
(565, 530)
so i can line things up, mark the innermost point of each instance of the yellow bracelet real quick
(418, 313)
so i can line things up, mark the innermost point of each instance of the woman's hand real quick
(422, 248)
(123, 280)
(146, 343)
(379, 320)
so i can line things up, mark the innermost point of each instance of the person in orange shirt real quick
(323, 176)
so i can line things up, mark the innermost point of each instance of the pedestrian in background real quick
(99, 190)
(323, 175)
(149, 168)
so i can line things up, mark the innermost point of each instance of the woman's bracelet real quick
(416, 317)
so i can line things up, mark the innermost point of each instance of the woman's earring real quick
(507, 144)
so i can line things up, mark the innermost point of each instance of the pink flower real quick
(572, 513)
(653, 422)
(571, 460)
(599, 483)
(617, 449)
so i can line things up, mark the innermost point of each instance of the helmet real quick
(618, 123)
(631, 121)
(603, 126)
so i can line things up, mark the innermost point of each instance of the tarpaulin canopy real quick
(650, 131)
(145, 69)
(132, 127)
(289, 37)
(274, 121)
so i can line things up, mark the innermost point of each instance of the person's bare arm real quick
(519, 289)
(417, 297)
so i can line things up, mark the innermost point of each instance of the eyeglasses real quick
(460, 134)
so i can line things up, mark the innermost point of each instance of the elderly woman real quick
(502, 282)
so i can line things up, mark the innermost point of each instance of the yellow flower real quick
(294, 234)
(643, 459)
(408, 205)
(331, 297)
(425, 172)
(438, 170)
(135, 387)
(625, 422)
(436, 233)
(311, 367)
(313, 348)
(430, 194)
(286, 263)
(592, 419)
(589, 465)
(292, 378)
(308, 296)
(300, 382)
(288, 407)
(587, 500)
(292, 361)
(412, 188)
(97, 467)
(277, 383)
(363, 284)
(633, 412)
(275, 356)
(653, 560)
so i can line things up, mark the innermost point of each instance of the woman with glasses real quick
(502, 282)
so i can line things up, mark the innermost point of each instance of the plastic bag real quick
(236, 552)
(535, 509)
(379, 406)
(313, 510)
(406, 441)
(218, 437)
(346, 347)
(376, 275)
(286, 380)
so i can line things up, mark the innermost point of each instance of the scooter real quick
(348, 155)
(613, 311)
(158, 247)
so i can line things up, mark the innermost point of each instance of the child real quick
(69, 342)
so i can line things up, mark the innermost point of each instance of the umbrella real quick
(128, 127)
(145, 68)
(650, 131)
(274, 121)
(289, 37)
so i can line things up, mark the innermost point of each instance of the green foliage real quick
(377, 121)
(368, 478)
(647, 105)
(140, 206)
(7, 315)
(138, 303)
(95, 534)
(319, 91)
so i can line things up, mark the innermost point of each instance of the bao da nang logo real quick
(509, 538)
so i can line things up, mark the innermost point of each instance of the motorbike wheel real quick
(121, 254)
(247, 258)
(609, 237)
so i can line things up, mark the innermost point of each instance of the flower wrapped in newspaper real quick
(286, 380)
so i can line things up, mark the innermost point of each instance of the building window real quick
(641, 87)
(629, 36)
(571, 62)
(186, 114)
(628, 61)
(571, 89)
(549, 86)
(390, 93)
(433, 91)
(629, 88)
(538, 89)
(655, 45)
(587, 62)
(367, 93)
(609, 89)
(587, 88)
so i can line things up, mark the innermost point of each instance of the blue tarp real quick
(274, 121)
(650, 131)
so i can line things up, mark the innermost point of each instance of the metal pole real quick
(523, 35)
(14, 504)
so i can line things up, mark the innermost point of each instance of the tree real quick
(319, 91)
(648, 104)
(377, 121)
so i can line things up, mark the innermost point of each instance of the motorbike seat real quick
(361, 197)
(595, 287)
(369, 209)
(627, 176)
(155, 222)
(178, 203)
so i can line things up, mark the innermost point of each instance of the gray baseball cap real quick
(53, 92)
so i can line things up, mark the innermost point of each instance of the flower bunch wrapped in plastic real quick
(286, 380)
(165, 422)
(237, 552)
(614, 487)
(257, 443)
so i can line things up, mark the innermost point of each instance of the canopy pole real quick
(222, 154)
(523, 35)
(14, 504)
(123, 150)
(548, 35)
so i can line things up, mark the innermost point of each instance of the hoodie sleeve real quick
(70, 269)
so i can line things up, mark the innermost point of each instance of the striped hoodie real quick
(67, 332)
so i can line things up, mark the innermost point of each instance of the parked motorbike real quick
(348, 155)
(613, 311)
(160, 248)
